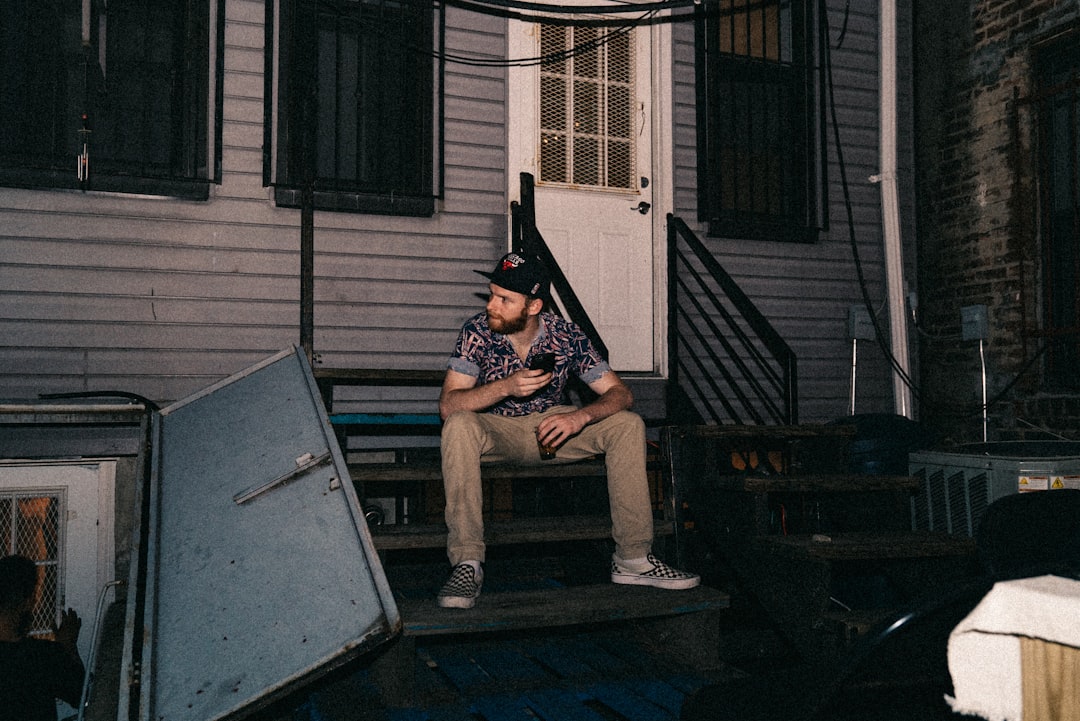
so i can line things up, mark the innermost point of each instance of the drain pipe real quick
(890, 211)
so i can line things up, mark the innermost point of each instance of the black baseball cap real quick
(521, 274)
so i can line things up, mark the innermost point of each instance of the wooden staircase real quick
(825, 551)
(393, 457)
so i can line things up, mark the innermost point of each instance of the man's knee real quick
(628, 422)
(460, 425)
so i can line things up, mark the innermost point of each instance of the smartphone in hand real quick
(543, 362)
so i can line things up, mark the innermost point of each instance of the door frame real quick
(521, 158)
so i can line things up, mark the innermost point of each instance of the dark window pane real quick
(141, 89)
(759, 120)
(1058, 70)
(369, 139)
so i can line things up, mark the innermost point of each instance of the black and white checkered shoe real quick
(463, 587)
(658, 574)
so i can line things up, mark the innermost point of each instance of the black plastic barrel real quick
(883, 441)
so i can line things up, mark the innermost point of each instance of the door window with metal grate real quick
(30, 526)
(587, 107)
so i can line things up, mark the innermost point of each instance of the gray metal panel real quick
(262, 574)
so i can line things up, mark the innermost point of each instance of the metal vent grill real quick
(952, 503)
(30, 526)
(587, 107)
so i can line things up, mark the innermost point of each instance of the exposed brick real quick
(982, 210)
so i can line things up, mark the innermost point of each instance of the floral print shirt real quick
(488, 356)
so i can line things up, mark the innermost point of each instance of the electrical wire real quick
(621, 27)
(534, 12)
(555, 57)
(879, 335)
(610, 9)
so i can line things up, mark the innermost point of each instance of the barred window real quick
(111, 96)
(760, 119)
(1058, 112)
(355, 105)
(30, 526)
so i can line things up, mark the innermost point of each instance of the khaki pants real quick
(471, 438)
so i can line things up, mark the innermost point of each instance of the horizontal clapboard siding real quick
(806, 290)
(162, 297)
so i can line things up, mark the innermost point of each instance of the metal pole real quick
(985, 410)
(307, 270)
(894, 261)
(307, 216)
(854, 355)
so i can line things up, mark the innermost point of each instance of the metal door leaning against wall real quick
(260, 574)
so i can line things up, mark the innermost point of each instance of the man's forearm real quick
(473, 399)
(609, 403)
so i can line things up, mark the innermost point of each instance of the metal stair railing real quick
(727, 364)
(527, 239)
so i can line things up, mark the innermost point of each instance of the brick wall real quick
(977, 210)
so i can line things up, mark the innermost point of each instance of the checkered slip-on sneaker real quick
(462, 589)
(658, 575)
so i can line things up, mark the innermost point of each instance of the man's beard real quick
(508, 326)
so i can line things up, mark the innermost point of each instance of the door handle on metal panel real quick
(303, 464)
(641, 207)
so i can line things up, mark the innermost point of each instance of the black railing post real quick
(525, 233)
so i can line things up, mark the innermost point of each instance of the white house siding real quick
(805, 290)
(161, 297)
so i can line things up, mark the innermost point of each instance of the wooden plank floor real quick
(599, 669)
(602, 675)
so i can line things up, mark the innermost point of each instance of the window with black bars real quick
(118, 100)
(760, 119)
(30, 526)
(356, 105)
(1058, 113)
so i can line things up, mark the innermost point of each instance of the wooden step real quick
(521, 530)
(685, 624)
(857, 546)
(554, 607)
(788, 432)
(817, 483)
(432, 471)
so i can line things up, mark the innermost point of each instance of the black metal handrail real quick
(527, 239)
(727, 364)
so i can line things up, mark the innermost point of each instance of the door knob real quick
(641, 207)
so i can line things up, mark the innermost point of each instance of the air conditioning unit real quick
(956, 487)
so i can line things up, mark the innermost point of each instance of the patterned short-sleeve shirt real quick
(488, 356)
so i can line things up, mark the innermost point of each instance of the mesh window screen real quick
(30, 524)
(587, 107)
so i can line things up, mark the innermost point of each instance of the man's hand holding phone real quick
(543, 362)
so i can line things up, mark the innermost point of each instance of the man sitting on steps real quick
(496, 409)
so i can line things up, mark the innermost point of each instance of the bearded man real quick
(497, 405)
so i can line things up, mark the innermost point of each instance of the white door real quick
(581, 124)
